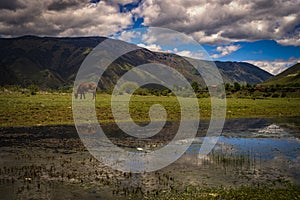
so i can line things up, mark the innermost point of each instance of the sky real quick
(265, 33)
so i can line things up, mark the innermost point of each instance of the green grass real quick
(288, 191)
(56, 108)
(271, 107)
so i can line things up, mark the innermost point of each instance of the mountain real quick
(290, 76)
(47, 62)
(242, 72)
(53, 62)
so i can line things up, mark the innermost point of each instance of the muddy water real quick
(52, 163)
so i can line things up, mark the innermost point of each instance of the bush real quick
(195, 86)
(267, 94)
(142, 91)
(275, 95)
(33, 89)
(165, 92)
(129, 87)
(236, 86)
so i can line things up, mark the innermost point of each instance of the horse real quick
(82, 88)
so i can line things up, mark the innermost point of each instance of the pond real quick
(51, 162)
(249, 151)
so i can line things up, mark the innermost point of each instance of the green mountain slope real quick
(47, 62)
(53, 62)
(291, 76)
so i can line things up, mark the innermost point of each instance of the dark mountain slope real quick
(242, 72)
(54, 62)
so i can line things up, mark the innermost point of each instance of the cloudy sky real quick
(263, 32)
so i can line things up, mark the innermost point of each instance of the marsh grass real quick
(35, 172)
(235, 162)
(265, 191)
(18, 109)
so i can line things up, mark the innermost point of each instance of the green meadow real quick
(55, 108)
(18, 109)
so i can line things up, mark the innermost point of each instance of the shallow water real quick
(268, 139)
(248, 151)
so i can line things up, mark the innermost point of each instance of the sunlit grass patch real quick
(56, 108)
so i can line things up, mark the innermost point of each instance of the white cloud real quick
(225, 50)
(211, 22)
(128, 35)
(165, 40)
(165, 36)
(151, 47)
(64, 18)
(207, 21)
(219, 21)
(122, 2)
(197, 55)
(276, 66)
(201, 54)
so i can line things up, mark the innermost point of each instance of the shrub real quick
(283, 94)
(275, 95)
(129, 87)
(33, 89)
(195, 86)
(142, 91)
(236, 86)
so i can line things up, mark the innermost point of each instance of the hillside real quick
(47, 62)
(290, 76)
(53, 63)
(242, 72)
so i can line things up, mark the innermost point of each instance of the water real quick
(249, 151)
(262, 135)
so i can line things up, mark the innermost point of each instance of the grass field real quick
(66, 161)
(56, 108)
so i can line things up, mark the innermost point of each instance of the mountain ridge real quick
(290, 76)
(52, 62)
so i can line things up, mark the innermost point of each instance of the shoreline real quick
(109, 122)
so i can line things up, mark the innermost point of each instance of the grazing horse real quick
(82, 88)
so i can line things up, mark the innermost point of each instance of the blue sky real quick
(259, 50)
(268, 54)
(265, 53)
(262, 32)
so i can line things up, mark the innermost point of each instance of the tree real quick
(236, 86)
(129, 87)
(227, 86)
(195, 86)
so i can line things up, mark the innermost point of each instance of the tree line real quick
(235, 90)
